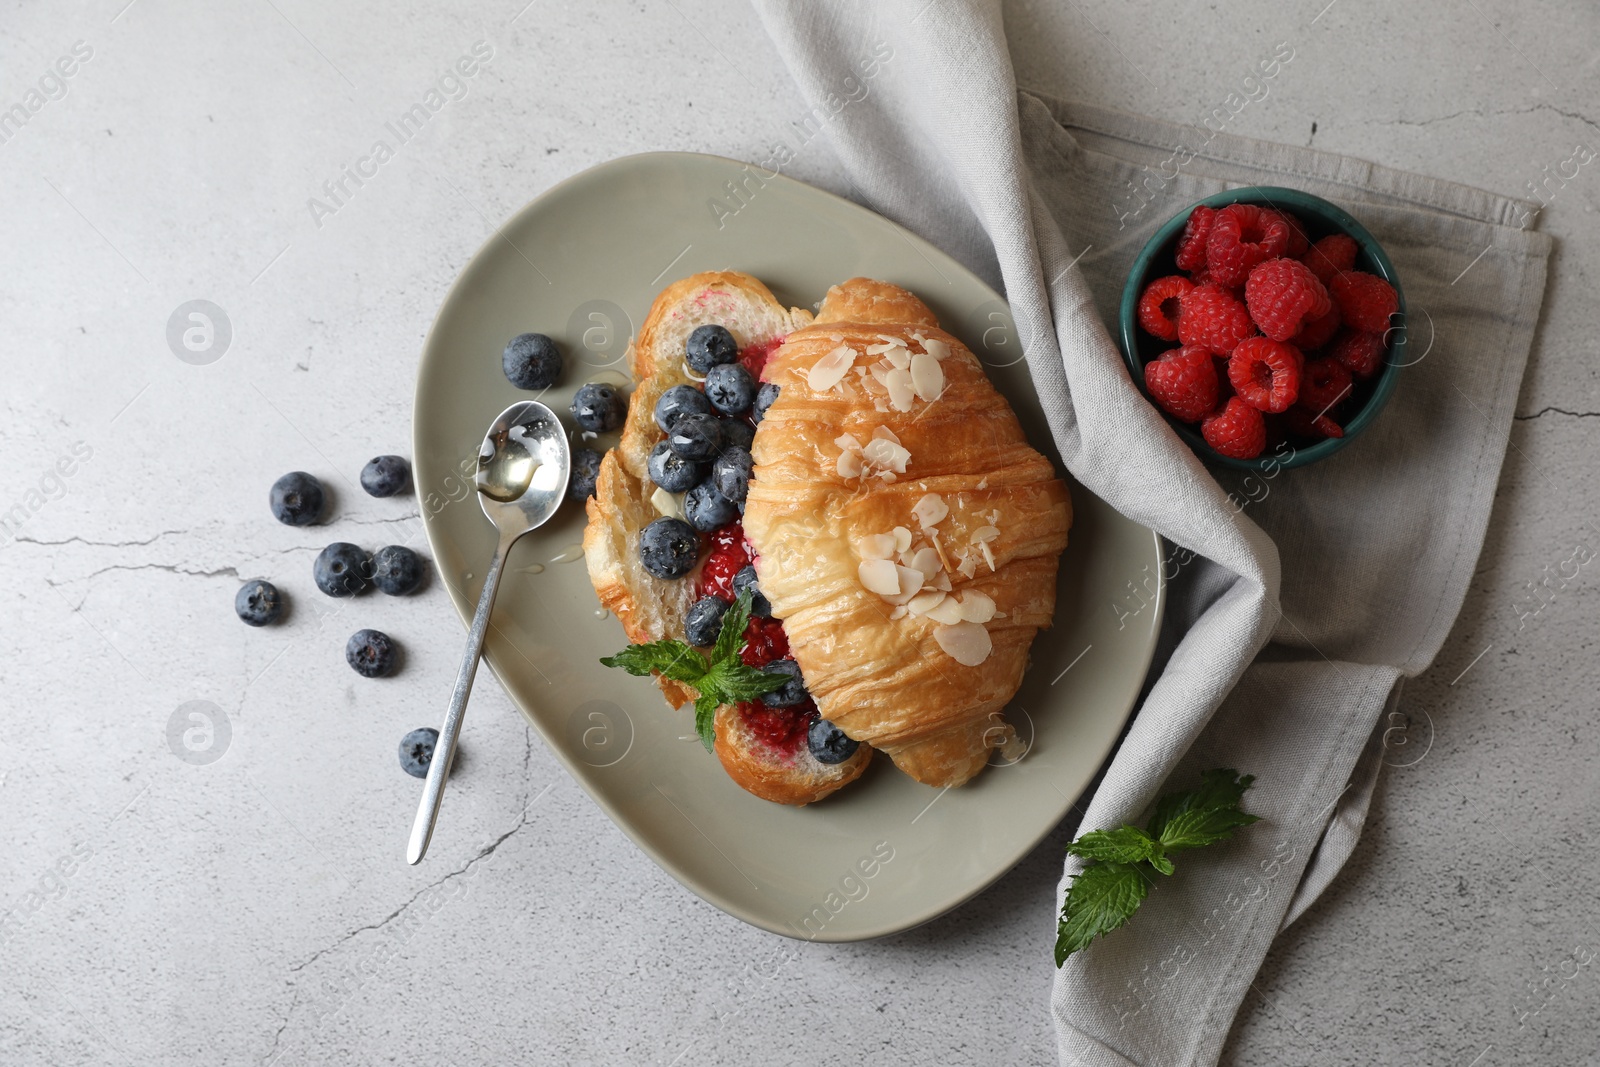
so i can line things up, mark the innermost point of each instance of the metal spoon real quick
(523, 465)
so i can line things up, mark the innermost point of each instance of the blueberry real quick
(342, 569)
(297, 499)
(396, 570)
(793, 691)
(416, 751)
(668, 548)
(598, 407)
(764, 398)
(704, 621)
(709, 346)
(706, 509)
(678, 401)
(731, 474)
(737, 433)
(671, 471)
(697, 436)
(385, 475)
(585, 471)
(370, 653)
(828, 743)
(532, 361)
(730, 388)
(258, 603)
(760, 606)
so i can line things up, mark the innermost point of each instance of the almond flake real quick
(902, 538)
(926, 560)
(898, 613)
(848, 442)
(876, 546)
(887, 454)
(933, 535)
(923, 603)
(910, 584)
(927, 377)
(667, 503)
(880, 405)
(860, 370)
(879, 576)
(901, 392)
(968, 568)
(983, 483)
(942, 581)
(891, 340)
(976, 607)
(883, 433)
(880, 348)
(947, 611)
(930, 510)
(966, 642)
(936, 348)
(887, 476)
(988, 556)
(880, 373)
(848, 465)
(898, 358)
(830, 370)
(985, 533)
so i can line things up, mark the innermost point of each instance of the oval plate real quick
(582, 263)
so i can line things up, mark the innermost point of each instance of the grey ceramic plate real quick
(582, 263)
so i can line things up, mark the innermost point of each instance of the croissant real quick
(907, 534)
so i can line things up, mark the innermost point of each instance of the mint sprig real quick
(1121, 861)
(723, 679)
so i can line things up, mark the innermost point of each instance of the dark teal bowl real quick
(1320, 219)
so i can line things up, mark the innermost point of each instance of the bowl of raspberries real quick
(1266, 324)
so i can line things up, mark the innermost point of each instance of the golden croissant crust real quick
(981, 518)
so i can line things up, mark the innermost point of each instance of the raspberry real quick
(1243, 235)
(1236, 430)
(1192, 245)
(1282, 294)
(1331, 255)
(1306, 423)
(1213, 318)
(1361, 352)
(1158, 307)
(1265, 373)
(1365, 300)
(1184, 382)
(1325, 382)
(729, 555)
(1315, 333)
(1299, 242)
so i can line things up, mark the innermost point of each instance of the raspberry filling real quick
(754, 357)
(781, 729)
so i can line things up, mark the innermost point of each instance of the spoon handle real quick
(444, 750)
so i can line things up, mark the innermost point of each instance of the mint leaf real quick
(705, 715)
(731, 637)
(732, 682)
(1202, 816)
(1099, 900)
(1125, 844)
(672, 658)
(1121, 861)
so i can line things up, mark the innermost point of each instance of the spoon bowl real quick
(523, 467)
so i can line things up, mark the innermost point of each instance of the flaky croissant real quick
(908, 536)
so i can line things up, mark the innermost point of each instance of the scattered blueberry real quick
(585, 470)
(532, 361)
(396, 570)
(416, 751)
(704, 621)
(731, 473)
(709, 346)
(737, 433)
(793, 691)
(697, 437)
(671, 471)
(828, 743)
(599, 407)
(342, 569)
(297, 499)
(668, 548)
(385, 475)
(731, 388)
(764, 398)
(760, 606)
(678, 401)
(370, 653)
(258, 603)
(706, 509)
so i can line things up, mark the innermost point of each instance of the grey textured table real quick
(254, 909)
